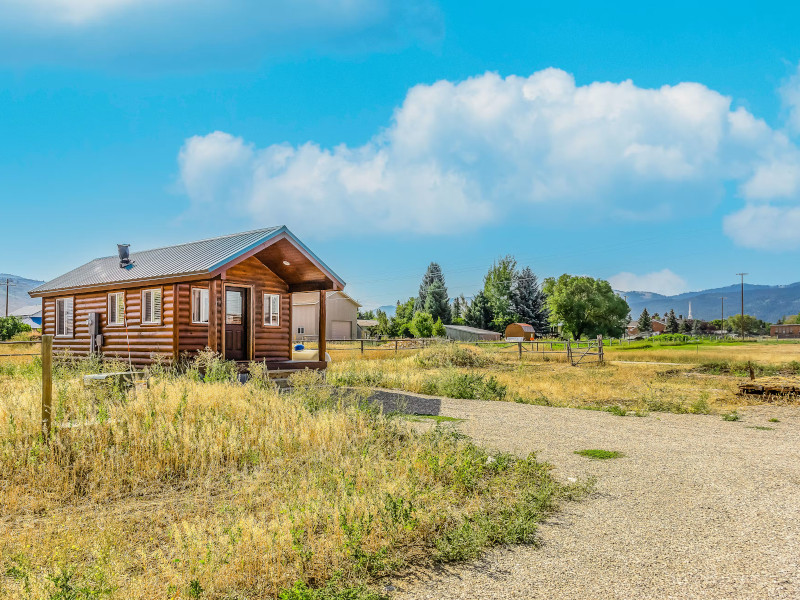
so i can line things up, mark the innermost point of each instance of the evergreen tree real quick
(434, 273)
(437, 303)
(645, 324)
(478, 314)
(656, 316)
(695, 326)
(455, 310)
(672, 322)
(528, 301)
(686, 326)
(497, 286)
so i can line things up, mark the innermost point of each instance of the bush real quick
(473, 386)
(451, 355)
(11, 326)
(422, 325)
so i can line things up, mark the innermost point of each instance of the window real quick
(272, 309)
(116, 308)
(151, 306)
(301, 330)
(64, 317)
(200, 305)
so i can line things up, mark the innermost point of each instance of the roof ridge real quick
(216, 237)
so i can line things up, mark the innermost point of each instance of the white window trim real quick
(71, 334)
(267, 310)
(208, 307)
(120, 322)
(160, 312)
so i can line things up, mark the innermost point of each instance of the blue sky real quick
(658, 148)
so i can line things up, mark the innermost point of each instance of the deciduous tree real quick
(585, 306)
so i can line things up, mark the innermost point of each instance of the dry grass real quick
(218, 490)
(548, 380)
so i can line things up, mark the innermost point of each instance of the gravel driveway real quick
(697, 508)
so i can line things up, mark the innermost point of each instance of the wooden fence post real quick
(600, 347)
(569, 353)
(395, 346)
(362, 346)
(519, 344)
(47, 382)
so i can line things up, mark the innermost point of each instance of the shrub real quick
(474, 386)
(11, 326)
(599, 454)
(451, 355)
(422, 325)
(211, 367)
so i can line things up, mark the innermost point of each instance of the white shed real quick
(341, 313)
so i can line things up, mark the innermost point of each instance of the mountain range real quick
(17, 293)
(766, 302)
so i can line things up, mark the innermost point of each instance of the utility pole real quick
(742, 323)
(8, 284)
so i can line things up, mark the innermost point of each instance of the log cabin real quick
(230, 293)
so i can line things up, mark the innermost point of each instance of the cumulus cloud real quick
(765, 226)
(156, 34)
(661, 282)
(491, 148)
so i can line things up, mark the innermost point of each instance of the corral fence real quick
(574, 352)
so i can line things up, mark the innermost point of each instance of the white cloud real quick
(492, 148)
(765, 227)
(661, 282)
(790, 94)
(159, 34)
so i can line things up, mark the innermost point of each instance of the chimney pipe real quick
(124, 255)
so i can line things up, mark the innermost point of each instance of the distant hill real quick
(18, 294)
(767, 302)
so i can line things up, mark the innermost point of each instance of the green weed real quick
(599, 454)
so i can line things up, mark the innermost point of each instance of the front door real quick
(236, 323)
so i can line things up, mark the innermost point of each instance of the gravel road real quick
(698, 507)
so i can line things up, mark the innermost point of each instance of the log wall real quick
(143, 340)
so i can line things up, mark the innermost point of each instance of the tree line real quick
(574, 305)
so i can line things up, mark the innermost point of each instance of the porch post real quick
(212, 315)
(321, 328)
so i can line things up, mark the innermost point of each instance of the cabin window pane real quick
(233, 307)
(116, 308)
(151, 306)
(64, 317)
(272, 308)
(200, 305)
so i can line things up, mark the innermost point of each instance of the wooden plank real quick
(213, 317)
(321, 326)
(175, 320)
(47, 382)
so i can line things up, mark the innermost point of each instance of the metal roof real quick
(27, 311)
(200, 258)
(469, 329)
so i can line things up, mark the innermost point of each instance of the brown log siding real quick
(143, 340)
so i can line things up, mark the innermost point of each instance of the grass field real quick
(634, 379)
(214, 489)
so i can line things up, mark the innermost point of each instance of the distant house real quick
(230, 293)
(520, 332)
(464, 333)
(366, 328)
(658, 327)
(341, 317)
(30, 315)
(783, 332)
